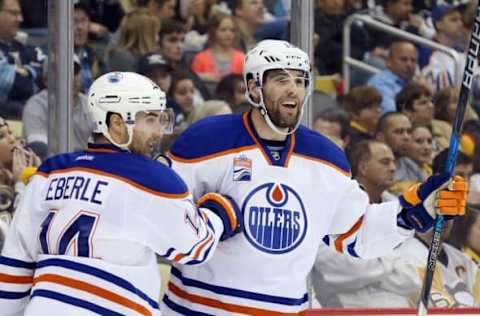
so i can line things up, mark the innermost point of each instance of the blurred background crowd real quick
(394, 124)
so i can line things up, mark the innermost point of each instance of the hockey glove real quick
(423, 202)
(227, 209)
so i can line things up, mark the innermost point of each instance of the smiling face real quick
(284, 92)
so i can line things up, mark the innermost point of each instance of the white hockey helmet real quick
(125, 93)
(270, 55)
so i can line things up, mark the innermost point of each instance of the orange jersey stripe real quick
(93, 289)
(325, 162)
(8, 278)
(123, 179)
(290, 150)
(102, 150)
(252, 135)
(199, 247)
(211, 156)
(234, 308)
(341, 238)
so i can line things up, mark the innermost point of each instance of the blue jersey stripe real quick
(99, 274)
(13, 295)
(75, 302)
(180, 309)
(16, 263)
(239, 293)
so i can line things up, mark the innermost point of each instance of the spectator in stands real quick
(440, 70)
(398, 13)
(401, 67)
(456, 281)
(155, 67)
(363, 105)
(343, 281)
(329, 19)
(463, 165)
(373, 166)
(220, 58)
(171, 47)
(333, 122)
(92, 66)
(35, 117)
(105, 16)
(16, 162)
(209, 108)
(395, 129)
(164, 9)
(415, 101)
(445, 105)
(414, 166)
(138, 36)
(20, 65)
(249, 16)
(465, 234)
(231, 89)
(181, 92)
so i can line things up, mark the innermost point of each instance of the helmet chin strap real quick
(266, 116)
(124, 146)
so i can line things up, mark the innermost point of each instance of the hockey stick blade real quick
(436, 244)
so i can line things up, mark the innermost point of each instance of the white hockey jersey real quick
(84, 237)
(289, 205)
(456, 282)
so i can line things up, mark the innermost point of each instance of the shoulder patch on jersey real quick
(318, 147)
(210, 137)
(136, 170)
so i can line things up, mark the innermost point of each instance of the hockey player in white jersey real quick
(295, 191)
(84, 237)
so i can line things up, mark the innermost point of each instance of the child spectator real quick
(231, 89)
(181, 92)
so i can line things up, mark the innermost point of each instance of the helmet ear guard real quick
(271, 55)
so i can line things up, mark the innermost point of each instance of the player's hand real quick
(440, 194)
(227, 209)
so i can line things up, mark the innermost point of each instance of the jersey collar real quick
(286, 152)
(104, 148)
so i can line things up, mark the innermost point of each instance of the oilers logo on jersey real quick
(275, 218)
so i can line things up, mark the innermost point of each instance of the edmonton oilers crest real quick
(274, 217)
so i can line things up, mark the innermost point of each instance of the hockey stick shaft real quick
(435, 246)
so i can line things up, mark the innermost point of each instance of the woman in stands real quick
(138, 36)
(221, 58)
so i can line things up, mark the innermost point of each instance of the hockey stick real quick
(451, 159)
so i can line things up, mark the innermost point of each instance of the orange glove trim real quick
(411, 195)
(224, 203)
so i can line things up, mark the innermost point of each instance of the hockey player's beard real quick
(283, 120)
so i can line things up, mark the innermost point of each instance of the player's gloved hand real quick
(227, 209)
(438, 195)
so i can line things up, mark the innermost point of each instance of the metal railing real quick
(348, 61)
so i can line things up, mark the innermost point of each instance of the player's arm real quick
(17, 261)
(383, 226)
(185, 233)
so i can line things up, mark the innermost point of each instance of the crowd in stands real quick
(394, 125)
